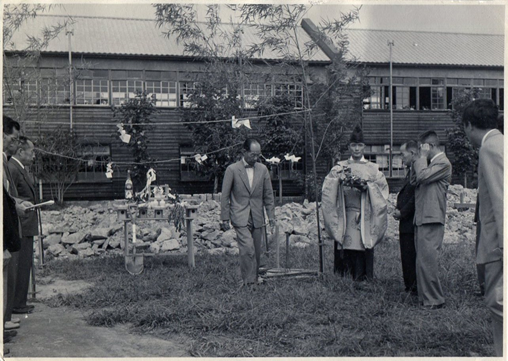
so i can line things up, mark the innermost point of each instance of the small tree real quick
(465, 157)
(60, 171)
(135, 115)
(215, 97)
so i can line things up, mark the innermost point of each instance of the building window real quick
(95, 170)
(164, 92)
(92, 91)
(54, 91)
(287, 170)
(186, 88)
(31, 94)
(123, 90)
(380, 154)
(190, 169)
(293, 89)
(254, 92)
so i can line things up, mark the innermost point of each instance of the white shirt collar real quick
(485, 136)
(434, 157)
(361, 160)
(17, 160)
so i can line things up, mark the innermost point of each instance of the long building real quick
(119, 56)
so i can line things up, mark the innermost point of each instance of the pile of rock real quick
(79, 232)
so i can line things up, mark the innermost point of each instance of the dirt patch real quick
(63, 332)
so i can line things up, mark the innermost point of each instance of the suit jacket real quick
(490, 184)
(24, 182)
(239, 200)
(431, 181)
(11, 239)
(406, 206)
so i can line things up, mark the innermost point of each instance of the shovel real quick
(134, 263)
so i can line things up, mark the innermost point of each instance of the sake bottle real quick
(128, 186)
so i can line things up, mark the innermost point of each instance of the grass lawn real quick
(326, 316)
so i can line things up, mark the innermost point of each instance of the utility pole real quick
(391, 44)
(69, 34)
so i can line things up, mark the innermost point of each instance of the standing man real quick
(355, 214)
(480, 122)
(24, 182)
(405, 212)
(431, 173)
(12, 207)
(246, 189)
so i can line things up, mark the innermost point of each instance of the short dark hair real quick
(248, 142)
(9, 125)
(23, 142)
(356, 135)
(481, 114)
(429, 136)
(411, 144)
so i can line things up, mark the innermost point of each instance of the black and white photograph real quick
(273, 179)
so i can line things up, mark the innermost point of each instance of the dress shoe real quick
(23, 310)
(7, 339)
(10, 333)
(8, 325)
(15, 320)
(434, 307)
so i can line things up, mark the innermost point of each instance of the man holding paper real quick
(24, 182)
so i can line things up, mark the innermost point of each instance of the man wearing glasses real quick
(12, 207)
(246, 189)
(354, 202)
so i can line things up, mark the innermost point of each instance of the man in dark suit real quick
(12, 207)
(24, 182)
(405, 212)
(480, 120)
(246, 189)
(431, 173)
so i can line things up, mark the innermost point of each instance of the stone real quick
(210, 236)
(82, 246)
(228, 237)
(166, 234)
(170, 245)
(155, 247)
(51, 240)
(74, 238)
(233, 251)
(86, 253)
(56, 249)
(217, 251)
(114, 243)
(102, 232)
(99, 242)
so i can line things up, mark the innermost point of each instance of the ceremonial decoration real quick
(109, 170)
(126, 138)
(351, 180)
(235, 123)
(292, 158)
(200, 158)
(273, 160)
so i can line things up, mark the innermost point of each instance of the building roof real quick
(427, 48)
(131, 37)
(142, 37)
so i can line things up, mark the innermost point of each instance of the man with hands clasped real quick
(404, 213)
(431, 173)
(246, 189)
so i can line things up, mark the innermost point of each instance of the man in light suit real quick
(246, 189)
(24, 182)
(431, 173)
(480, 122)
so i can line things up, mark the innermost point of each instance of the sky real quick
(481, 18)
